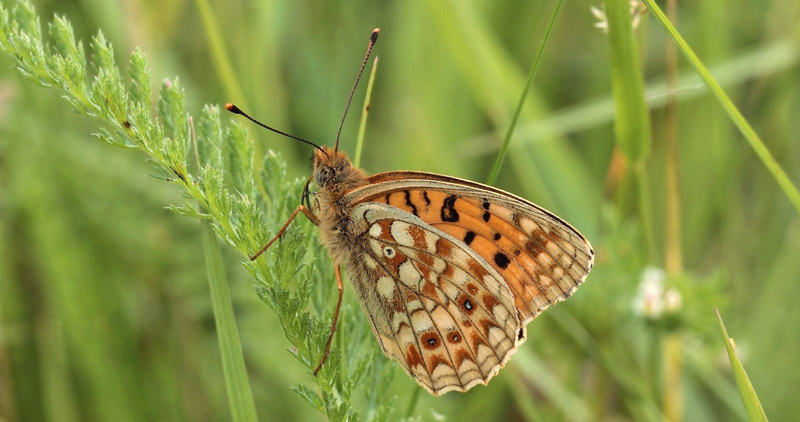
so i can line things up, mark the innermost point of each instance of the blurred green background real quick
(103, 293)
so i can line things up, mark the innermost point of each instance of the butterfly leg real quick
(300, 208)
(339, 286)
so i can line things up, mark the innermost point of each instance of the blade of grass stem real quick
(780, 176)
(751, 403)
(240, 397)
(222, 63)
(631, 118)
(412, 403)
(672, 351)
(362, 125)
(504, 149)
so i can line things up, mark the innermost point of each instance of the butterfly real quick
(448, 271)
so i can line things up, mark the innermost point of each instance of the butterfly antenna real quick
(372, 39)
(236, 110)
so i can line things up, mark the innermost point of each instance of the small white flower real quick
(649, 302)
(600, 15)
(637, 10)
(672, 301)
(653, 277)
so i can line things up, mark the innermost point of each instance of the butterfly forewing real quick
(435, 305)
(541, 258)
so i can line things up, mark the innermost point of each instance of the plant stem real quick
(672, 345)
(631, 114)
(362, 126)
(240, 397)
(498, 162)
(672, 219)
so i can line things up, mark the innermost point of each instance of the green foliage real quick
(222, 185)
(741, 123)
(104, 297)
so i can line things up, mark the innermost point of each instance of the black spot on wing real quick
(449, 213)
(497, 236)
(425, 197)
(468, 305)
(409, 203)
(487, 216)
(501, 260)
(469, 237)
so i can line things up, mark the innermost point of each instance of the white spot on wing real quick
(413, 306)
(400, 233)
(399, 318)
(502, 212)
(528, 225)
(421, 321)
(443, 319)
(375, 230)
(438, 265)
(408, 274)
(386, 287)
(500, 312)
(377, 249)
(430, 241)
(451, 290)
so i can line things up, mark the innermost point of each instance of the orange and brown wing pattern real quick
(435, 305)
(539, 256)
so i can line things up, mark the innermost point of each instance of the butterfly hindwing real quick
(539, 256)
(435, 305)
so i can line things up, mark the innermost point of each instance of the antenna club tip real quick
(375, 33)
(232, 108)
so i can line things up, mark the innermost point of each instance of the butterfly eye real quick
(324, 176)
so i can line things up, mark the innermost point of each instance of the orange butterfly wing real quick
(540, 257)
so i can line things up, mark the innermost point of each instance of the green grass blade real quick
(240, 397)
(751, 403)
(763, 62)
(780, 176)
(632, 121)
(362, 125)
(492, 179)
(631, 118)
(222, 63)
